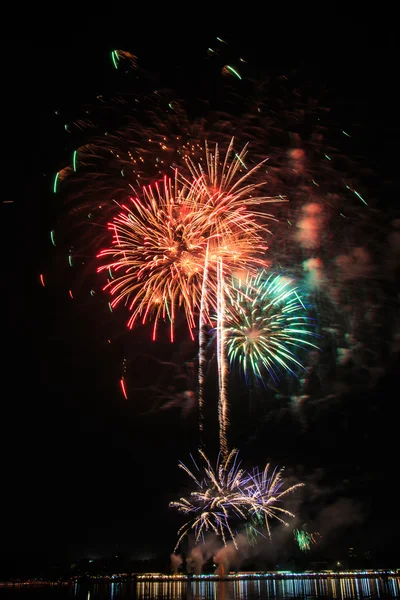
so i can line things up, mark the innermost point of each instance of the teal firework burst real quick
(267, 326)
(304, 539)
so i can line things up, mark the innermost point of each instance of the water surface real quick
(343, 588)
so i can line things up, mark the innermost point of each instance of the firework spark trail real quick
(202, 345)
(222, 366)
(229, 494)
(218, 495)
(264, 491)
(304, 539)
(266, 324)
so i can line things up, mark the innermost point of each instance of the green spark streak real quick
(328, 157)
(52, 237)
(70, 260)
(240, 160)
(110, 272)
(115, 57)
(55, 183)
(346, 134)
(361, 198)
(168, 313)
(299, 299)
(110, 307)
(74, 159)
(357, 194)
(233, 71)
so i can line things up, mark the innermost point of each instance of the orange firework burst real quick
(165, 243)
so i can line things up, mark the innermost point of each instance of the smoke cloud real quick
(315, 274)
(176, 562)
(232, 555)
(309, 227)
(200, 554)
(355, 265)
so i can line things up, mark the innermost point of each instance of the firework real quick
(218, 498)
(266, 325)
(264, 492)
(229, 494)
(138, 136)
(304, 539)
(254, 526)
(160, 244)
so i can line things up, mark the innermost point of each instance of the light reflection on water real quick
(337, 589)
(345, 588)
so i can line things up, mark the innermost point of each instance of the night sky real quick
(84, 471)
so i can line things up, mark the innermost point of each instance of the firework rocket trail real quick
(202, 345)
(222, 366)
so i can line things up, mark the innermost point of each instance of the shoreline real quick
(239, 576)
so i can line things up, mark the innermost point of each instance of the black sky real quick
(83, 471)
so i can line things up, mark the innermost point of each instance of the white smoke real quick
(232, 555)
(355, 265)
(315, 272)
(297, 159)
(195, 561)
(200, 554)
(309, 227)
(176, 562)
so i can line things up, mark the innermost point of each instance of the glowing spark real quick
(240, 160)
(123, 388)
(115, 58)
(357, 194)
(361, 198)
(232, 70)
